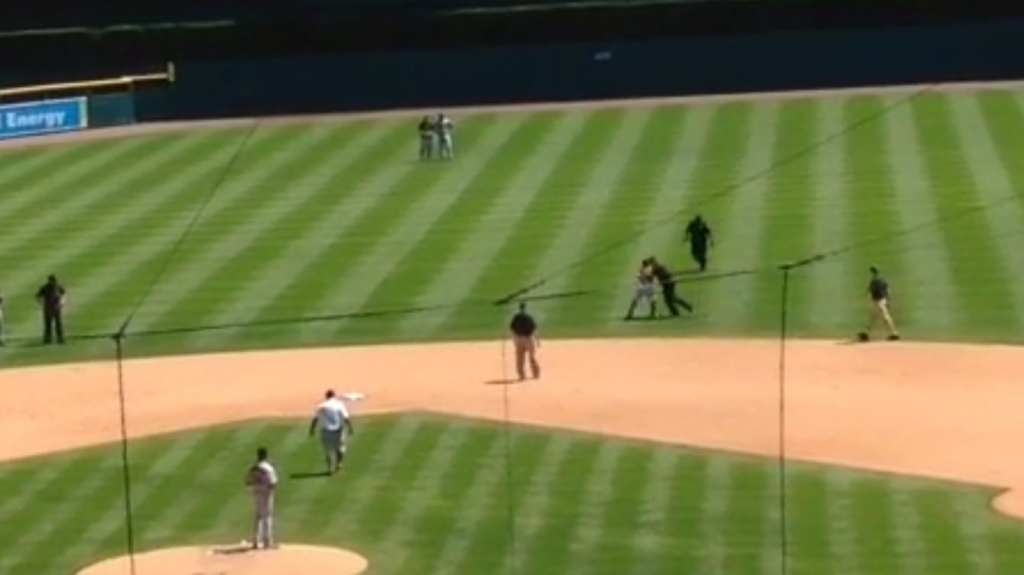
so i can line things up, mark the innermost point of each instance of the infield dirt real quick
(943, 411)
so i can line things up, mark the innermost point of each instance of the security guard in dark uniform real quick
(668, 288)
(51, 297)
(427, 138)
(698, 235)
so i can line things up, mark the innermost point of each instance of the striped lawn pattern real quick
(339, 219)
(432, 495)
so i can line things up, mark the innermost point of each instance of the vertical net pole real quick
(125, 459)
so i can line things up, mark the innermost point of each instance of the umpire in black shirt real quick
(51, 297)
(668, 289)
(524, 339)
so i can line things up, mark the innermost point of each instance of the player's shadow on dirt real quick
(506, 381)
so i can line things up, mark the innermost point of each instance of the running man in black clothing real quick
(878, 291)
(668, 288)
(51, 297)
(524, 338)
(698, 235)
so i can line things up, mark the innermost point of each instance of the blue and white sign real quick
(35, 118)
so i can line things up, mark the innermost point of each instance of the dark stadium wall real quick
(730, 64)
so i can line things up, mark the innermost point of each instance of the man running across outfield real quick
(698, 235)
(878, 291)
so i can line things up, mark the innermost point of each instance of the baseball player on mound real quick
(335, 428)
(644, 290)
(878, 291)
(262, 481)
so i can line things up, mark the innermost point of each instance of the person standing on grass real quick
(525, 342)
(427, 138)
(261, 479)
(51, 297)
(698, 235)
(668, 288)
(644, 290)
(878, 291)
(335, 423)
(445, 141)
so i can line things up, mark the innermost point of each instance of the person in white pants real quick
(262, 481)
(335, 425)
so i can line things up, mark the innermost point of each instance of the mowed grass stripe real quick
(104, 273)
(59, 187)
(706, 516)
(94, 186)
(326, 215)
(870, 506)
(630, 191)
(749, 545)
(200, 495)
(224, 518)
(654, 234)
(685, 512)
(811, 531)
(739, 220)
(445, 480)
(452, 229)
(515, 264)
(999, 185)
(550, 545)
(409, 201)
(872, 212)
(981, 286)
(621, 515)
(21, 173)
(375, 181)
(570, 243)
(375, 476)
(457, 192)
(534, 472)
(651, 531)
(82, 252)
(835, 301)
(257, 199)
(254, 252)
(472, 488)
(943, 546)
(73, 497)
(787, 232)
(927, 290)
(487, 232)
(68, 537)
(155, 490)
(598, 494)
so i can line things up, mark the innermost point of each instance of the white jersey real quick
(332, 414)
(445, 126)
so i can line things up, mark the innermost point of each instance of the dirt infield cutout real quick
(235, 560)
(946, 411)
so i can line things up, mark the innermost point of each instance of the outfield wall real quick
(762, 62)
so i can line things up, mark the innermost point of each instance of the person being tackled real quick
(668, 288)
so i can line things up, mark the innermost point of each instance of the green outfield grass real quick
(338, 218)
(430, 495)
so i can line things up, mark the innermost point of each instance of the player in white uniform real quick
(644, 289)
(445, 142)
(335, 425)
(262, 481)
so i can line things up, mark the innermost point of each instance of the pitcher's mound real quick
(235, 560)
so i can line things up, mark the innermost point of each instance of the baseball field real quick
(253, 264)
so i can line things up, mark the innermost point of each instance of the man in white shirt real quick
(262, 481)
(335, 425)
(445, 142)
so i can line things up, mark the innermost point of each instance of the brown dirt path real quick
(935, 410)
